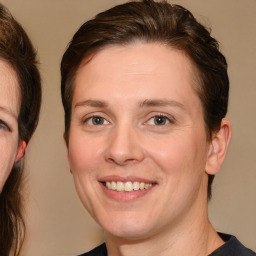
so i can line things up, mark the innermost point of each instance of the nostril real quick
(122, 161)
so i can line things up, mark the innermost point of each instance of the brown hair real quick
(17, 50)
(160, 22)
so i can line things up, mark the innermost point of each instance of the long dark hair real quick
(17, 50)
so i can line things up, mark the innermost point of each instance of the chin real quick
(127, 230)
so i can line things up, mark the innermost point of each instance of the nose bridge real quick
(124, 146)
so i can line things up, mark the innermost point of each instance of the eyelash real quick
(4, 126)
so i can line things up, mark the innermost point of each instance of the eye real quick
(96, 120)
(4, 126)
(159, 120)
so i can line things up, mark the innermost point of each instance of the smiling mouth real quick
(127, 186)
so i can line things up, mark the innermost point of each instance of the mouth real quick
(126, 189)
(128, 186)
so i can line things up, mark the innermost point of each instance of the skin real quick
(129, 88)
(10, 152)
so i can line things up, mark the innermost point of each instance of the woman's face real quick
(9, 110)
(137, 145)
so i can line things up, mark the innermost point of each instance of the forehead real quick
(135, 53)
(140, 66)
(9, 87)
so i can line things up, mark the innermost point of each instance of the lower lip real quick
(124, 196)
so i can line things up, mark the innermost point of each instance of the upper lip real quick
(125, 179)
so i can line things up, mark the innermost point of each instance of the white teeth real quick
(136, 185)
(127, 186)
(142, 185)
(113, 185)
(108, 184)
(120, 186)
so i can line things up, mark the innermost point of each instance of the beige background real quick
(57, 222)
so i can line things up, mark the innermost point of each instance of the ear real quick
(21, 150)
(218, 148)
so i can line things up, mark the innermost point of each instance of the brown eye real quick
(160, 120)
(97, 120)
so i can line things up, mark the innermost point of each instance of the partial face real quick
(137, 145)
(9, 111)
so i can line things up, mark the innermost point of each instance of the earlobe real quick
(218, 147)
(21, 150)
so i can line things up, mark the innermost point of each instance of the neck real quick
(195, 236)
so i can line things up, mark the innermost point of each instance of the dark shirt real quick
(101, 250)
(232, 247)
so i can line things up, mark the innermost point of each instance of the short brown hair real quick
(160, 22)
(17, 50)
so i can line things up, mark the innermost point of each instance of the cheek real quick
(169, 152)
(83, 152)
(181, 161)
(179, 157)
(84, 160)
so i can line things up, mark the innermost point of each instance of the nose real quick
(124, 146)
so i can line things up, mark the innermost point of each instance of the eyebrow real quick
(161, 103)
(92, 103)
(8, 111)
(145, 103)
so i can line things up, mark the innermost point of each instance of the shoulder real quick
(101, 250)
(232, 247)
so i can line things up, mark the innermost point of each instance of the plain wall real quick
(57, 223)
